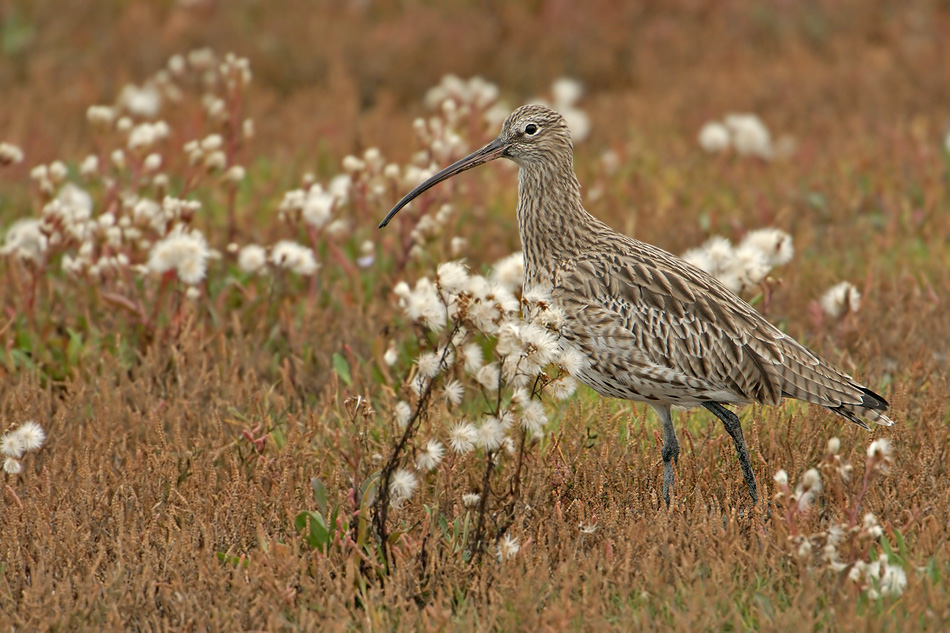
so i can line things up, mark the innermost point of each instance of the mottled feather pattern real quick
(655, 327)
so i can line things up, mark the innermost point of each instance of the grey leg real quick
(671, 449)
(731, 421)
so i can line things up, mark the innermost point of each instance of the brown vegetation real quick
(182, 448)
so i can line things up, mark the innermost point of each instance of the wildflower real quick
(533, 417)
(10, 154)
(318, 206)
(431, 457)
(566, 91)
(58, 171)
(841, 299)
(714, 137)
(25, 240)
(212, 142)
(508, 546)
(473, 357)
(294, 257)
(11, 445)
(572, 360)
(12, 466)
(453, 392)
(429, 364)
(452, 277)
(143, 101)
(144, 135)
(118, 159)
(880, 449)
(781, 478)
(402, 485)
(834, 445)
(487, 376)
(235, 174)
(808, 489)
(750, 137)
(893, 580)
(509, 272)
(216, 161)
(403, 414)
(423, 304)
(89, 166)
(774, 244)
(192, 294)
(471, 499)
(367, 254)
(562, 388)
(100, 116)
(184, 251)
(31, 436)
(491, 434)
(804, 548)
(352, 164)
(252, 258)
(457, 246)
(462, 437)
(872, 527)
(747, 268)
(152, 162)
(391, 356)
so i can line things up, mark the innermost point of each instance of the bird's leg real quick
(731, 421)
(671, 449)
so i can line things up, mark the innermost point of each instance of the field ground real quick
(187, 435)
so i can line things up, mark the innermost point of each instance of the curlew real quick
(653, 327)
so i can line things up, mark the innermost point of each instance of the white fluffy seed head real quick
(185, 251)
(453, 392)
(841, 299)
(12, 466)
(491, 434)
(462, 437)
(252, 258)
(781, 478)
(402, 485)
(452, 277)
(431, 457)
(775, 245)
(429, 364)
(402, 412)
(11, 445)
(295, 257)
(714, 137)
(834, 445)
(508, 546)
(471, 499)
(31, 436)
(880, 449)
(750, 137)
(509, 272)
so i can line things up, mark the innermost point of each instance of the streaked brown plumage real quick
(653, 327)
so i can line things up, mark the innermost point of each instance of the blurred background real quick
(342, 76)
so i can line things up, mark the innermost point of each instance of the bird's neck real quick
(552, 221)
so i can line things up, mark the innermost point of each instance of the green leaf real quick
(317, 534)
(342, 368)
(319, 494)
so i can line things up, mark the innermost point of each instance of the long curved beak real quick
(493, 150)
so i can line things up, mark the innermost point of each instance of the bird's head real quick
(532, 135)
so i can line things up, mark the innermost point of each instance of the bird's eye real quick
(531, 129)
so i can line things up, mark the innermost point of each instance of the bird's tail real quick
(808, 378)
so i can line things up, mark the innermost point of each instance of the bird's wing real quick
(645, 305)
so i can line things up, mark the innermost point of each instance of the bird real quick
(653, 327)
